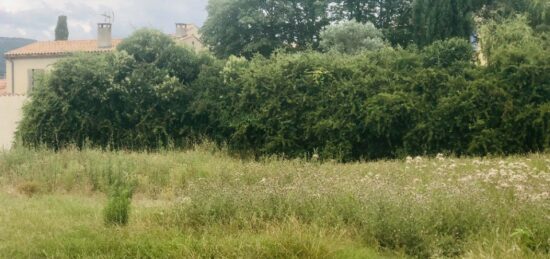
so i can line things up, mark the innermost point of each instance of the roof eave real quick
(49, 55)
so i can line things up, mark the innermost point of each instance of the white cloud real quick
(21, 32)
(14, 6)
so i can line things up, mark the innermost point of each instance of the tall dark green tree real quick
(499, 9)
(359, 10)
(61, 30)
(394, 20)
(392, 17)
(441, 19)
(247, 27)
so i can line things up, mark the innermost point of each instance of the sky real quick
(36, 19)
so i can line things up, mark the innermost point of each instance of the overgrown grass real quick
(203, 203)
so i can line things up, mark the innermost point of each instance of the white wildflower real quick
(466, 178)
(504, 185)
(409, 160)
(520, 188)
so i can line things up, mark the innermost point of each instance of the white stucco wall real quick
(191, 42)
(193, 29)
(21, 68)
(8, 76)
(10, 115)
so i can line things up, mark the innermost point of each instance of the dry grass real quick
(204, 203)
(28, 188)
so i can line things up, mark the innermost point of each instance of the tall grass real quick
(423, 207)
(117, 210)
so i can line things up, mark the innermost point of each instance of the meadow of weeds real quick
(205, 203)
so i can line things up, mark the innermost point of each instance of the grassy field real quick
(204, 203)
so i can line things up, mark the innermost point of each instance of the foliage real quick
(54, 116)
(539, 14)
(392, 17)
(351, 37)
(147, 46)
(117, 210)
(443, 54)
(537, 11)
(441, 19)
(510, 35)
(377, 104)
(247, 27)
(124, 99)
(61, 30)
(384, 104)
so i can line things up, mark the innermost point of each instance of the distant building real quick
(24, 64)
(188, 34)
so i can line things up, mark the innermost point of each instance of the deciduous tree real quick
(351, 37)
(247, 27)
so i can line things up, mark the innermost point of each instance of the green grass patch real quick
(204, 203)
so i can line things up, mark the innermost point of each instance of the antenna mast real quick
(109, 17)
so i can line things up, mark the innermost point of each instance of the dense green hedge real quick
(388, 103)
(137, 97)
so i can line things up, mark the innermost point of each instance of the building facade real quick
(188, 34)
(24, 65)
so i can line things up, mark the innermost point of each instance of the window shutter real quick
(37, 77)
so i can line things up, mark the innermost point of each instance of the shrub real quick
(386, 103)
(136, 98)
(448, 52)
(351, 37)
(117, 210)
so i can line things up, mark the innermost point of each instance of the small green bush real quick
(118, 206)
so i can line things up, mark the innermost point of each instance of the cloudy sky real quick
(36, 19)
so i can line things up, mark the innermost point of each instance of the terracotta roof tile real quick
(56, 48)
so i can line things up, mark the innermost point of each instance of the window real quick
(34, 78)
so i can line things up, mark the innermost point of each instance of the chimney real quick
(104, 35)
(181, 30)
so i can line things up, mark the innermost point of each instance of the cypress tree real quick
(441, 19)
(61, 30)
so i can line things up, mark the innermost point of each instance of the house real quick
(25, 64)
(188, 34)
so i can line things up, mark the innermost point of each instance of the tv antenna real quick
(109, 17)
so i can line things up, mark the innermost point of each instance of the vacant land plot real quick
(205, 203)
